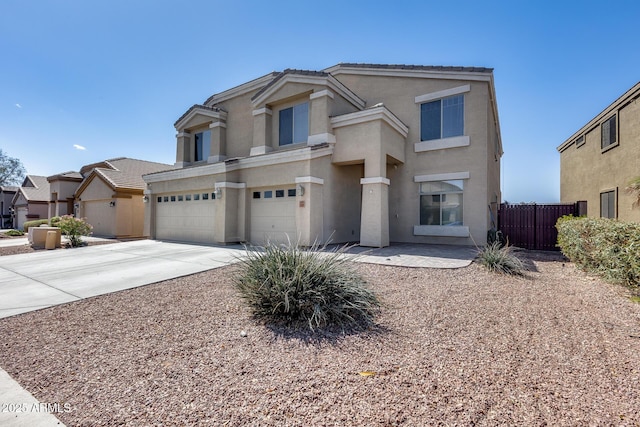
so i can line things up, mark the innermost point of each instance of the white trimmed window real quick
(441, 202)
(442, 118)
(294, 124)
(202, 142)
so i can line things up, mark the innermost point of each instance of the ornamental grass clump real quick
(500, 259)
(311, 287)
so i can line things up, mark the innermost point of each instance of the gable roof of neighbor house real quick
(66, 176)
(626, 98)
(122, 173)
(8, 189)
(34, 188)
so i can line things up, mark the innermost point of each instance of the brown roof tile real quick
(416, 67)
(127, 173)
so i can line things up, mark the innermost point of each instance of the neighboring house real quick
(31, 201)
(63, 187)
(598, 161)
(354, 153)
(111, 196)
(6, 197)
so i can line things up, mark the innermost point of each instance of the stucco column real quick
(230, 212)
(183, 149)
(261, 131)
(309, 210)
(149, 228)
(374, 218)
(218, 147)
(320, 130)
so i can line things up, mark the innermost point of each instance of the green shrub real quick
(14, 233)
(35, 223)
(55, 221)
(500, 259)
(305, 286)
(74, 229)
(606, 247)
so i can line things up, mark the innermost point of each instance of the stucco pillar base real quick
(374, 218)
(230, 212)
(309, 220)
(263, 149)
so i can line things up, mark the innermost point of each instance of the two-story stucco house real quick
(354, 153)
(599, 160)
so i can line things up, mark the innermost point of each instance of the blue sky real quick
(113, 76)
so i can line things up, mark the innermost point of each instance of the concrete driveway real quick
(38, 280)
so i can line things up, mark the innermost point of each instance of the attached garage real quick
(21, 216)
(273, 215)
(185, 217)
(101, 216)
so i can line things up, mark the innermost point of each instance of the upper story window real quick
(441, 202)
(443, 118)
(609, 134)
(294, 124)
(202, 142)
(580, 141)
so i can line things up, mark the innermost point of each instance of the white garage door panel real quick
(21, 214)
(273, 219)
(189, 221)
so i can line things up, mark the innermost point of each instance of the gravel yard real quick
(452, 347)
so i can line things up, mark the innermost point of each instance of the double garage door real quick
(191, 217)
(273, 216)
(186, 217)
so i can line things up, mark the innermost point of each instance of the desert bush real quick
(35, 223)
(74, 229)
(14, 233)
(606, 247)
(286, 283)
(55, 221)
(500, 259)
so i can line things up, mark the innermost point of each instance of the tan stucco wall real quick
(587, 171)
(124, 219)
(336, 205)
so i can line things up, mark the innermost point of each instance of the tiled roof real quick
(416, 67)
(39, 191)
(127, 173)
(284, 73)
(8, 189)
(247, 84)
(70, 175)
(200, 107)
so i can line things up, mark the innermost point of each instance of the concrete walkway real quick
(42, 279)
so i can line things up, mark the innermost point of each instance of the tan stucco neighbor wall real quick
(587, 170)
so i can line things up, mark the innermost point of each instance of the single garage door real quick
(21, 215)
(186, 217)
(100, 216)
(273, 216)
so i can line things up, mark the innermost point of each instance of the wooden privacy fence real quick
(532, 226)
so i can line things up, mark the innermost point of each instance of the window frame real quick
(607, 129)
(580, 141)
(293, 140)
(442, 113)
(442, 195)
(203, 150)
(611, 204)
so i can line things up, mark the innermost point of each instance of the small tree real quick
(74, 229)
(11, 170)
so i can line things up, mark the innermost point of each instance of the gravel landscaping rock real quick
(451, 347)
